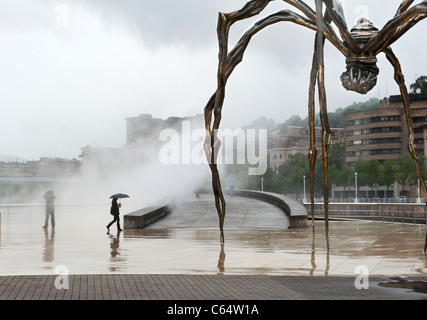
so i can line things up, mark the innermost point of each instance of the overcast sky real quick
(72, 71)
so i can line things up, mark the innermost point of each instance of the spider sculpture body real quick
(360, 47)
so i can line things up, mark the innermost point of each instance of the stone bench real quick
(296, 211)
(143, 217)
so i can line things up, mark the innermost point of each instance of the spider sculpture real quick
(360, 46)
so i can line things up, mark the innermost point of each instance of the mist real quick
(72, 71)
(147, 183)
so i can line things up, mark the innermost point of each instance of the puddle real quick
(403, 283)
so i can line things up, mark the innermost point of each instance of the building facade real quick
(45, 167)
(383, 133)
(145, 130)
(291, 140)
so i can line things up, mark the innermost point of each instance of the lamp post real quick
(355, 183)
(304, 200)
(418, 192)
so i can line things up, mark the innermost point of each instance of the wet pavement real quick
(259, 248)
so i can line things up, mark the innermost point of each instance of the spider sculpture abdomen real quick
(362, 71)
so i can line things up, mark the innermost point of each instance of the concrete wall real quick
(294, 209)
(141, 218)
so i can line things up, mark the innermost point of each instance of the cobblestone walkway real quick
(207, 287)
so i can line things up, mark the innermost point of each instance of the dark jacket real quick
(114, 208)
(49, 196)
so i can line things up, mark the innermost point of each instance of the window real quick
(385, 151)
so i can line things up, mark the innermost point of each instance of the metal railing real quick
(369, 200)
(413, 213)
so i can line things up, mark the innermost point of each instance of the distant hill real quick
(336, 119)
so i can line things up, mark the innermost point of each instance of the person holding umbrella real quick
(115, 210)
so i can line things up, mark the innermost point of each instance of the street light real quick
(303, 200)
(355, 182)
(418, 192)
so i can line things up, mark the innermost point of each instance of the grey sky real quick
(69, 83)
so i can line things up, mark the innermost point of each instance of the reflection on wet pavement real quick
(403, 283)
(116, 259)
(221, 259)
(48, 245)
(80, 243)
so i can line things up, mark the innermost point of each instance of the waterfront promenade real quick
(261, 258)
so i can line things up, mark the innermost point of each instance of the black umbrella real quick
(119, 196)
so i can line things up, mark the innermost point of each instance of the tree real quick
(294, 121)
(367, 171)
(292, 171)
(337, 155)
(387, 173)
(345, 177)
(423, 168)
(271, 182)
(404, 169)
(420, 85)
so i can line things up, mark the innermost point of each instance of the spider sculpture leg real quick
(399, 78)
(227, 63)
(229, 60)
(212, 145)
(215, 104)
(326, 132)
(404, 6)
(312, 152)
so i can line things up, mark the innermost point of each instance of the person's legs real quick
(52, 219)
(118, 223)
(46, 220)
(116, 218)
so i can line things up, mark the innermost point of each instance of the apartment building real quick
(383, 133)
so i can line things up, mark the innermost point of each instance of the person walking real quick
(231, 184)
(49, 197)
(115, 213)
